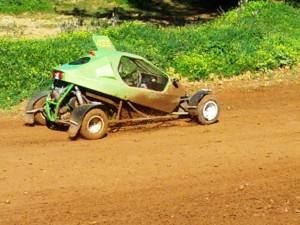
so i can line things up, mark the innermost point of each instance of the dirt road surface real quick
(245, 169)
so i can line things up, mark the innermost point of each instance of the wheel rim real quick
(95, 124)
(210, 110)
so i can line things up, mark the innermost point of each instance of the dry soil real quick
(242, 170)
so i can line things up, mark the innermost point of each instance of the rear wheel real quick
(208, 110)
(39, 117)
(94, 124)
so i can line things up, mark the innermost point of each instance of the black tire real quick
(94, 125)
(39, 117)
(208, 110)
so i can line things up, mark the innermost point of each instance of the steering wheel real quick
(128, 78)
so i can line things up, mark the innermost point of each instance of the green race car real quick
(109, 87)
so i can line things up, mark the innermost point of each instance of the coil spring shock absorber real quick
(78, 95)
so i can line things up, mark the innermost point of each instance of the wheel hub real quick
(210, 110)
(95, 124)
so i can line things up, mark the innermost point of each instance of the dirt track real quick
(243, 170)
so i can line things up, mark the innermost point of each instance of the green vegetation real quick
(17, 6)
(295, 3)
(26, 64)
(260, 36)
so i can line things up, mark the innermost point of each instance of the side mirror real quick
(175, 82)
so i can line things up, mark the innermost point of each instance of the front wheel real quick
(208, 110)
(94, 124)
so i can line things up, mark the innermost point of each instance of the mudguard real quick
(192, 105)
(77, 116)
(29, 110)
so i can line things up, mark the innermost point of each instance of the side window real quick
(139, 73)
(151, 77)
(128, 71)
(126, 66)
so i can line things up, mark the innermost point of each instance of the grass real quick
(19, 6)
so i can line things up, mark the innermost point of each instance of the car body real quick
(111, 87)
